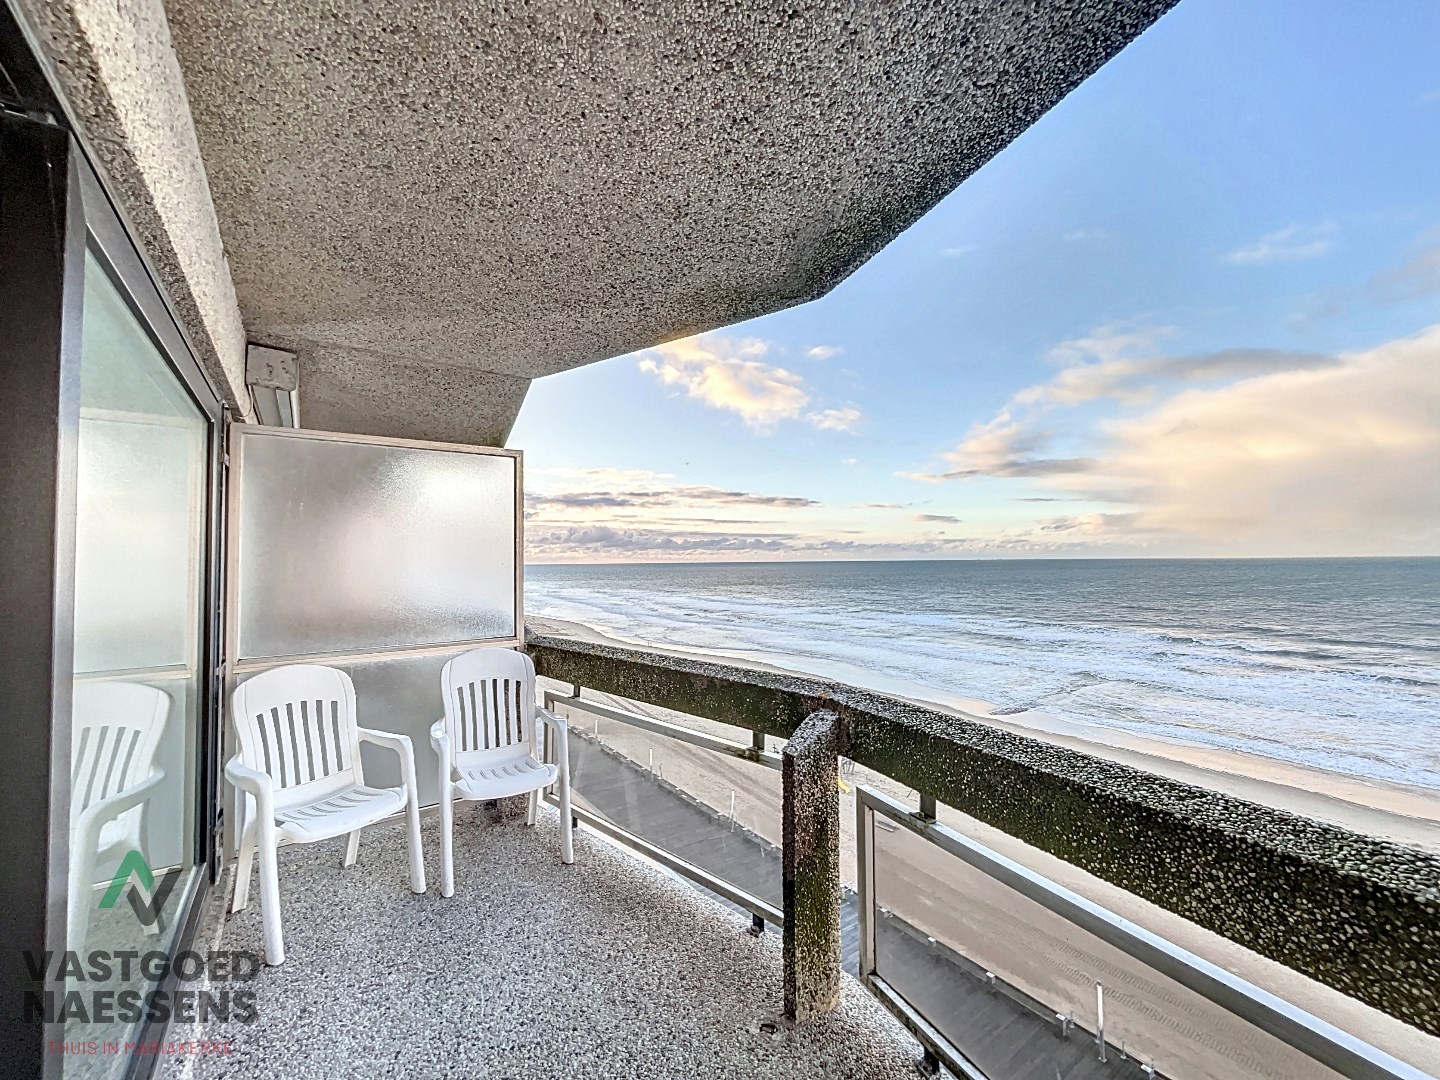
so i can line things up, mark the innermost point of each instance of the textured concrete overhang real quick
(1359, 914)
(448, 187)
(115, 71)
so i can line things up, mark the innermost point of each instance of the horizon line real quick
(960, 559)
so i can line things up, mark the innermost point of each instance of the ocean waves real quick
(1351, 685)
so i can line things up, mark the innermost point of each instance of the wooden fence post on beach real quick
(811, 835)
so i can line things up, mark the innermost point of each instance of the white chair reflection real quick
(115, 737)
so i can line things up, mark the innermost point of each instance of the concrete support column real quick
(811, 833)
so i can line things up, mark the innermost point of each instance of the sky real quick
(1193, 311)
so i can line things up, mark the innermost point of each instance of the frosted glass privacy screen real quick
(349, 547)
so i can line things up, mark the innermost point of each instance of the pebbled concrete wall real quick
(1359, 914)
(116, 71)
(516, 189)
(810, 836)
(349, 390)
(431, 204)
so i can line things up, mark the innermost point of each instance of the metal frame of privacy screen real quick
(237, 665)
(760, 910)
(1321, 1042)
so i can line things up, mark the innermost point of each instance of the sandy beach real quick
(1036, 952)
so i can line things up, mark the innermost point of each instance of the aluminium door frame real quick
(44, 297)
(42, 243)
(110, 242)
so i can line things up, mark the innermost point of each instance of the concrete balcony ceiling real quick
(434, 203)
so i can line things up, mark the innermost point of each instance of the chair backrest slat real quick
(297, 725)
(115, 738)
(489, 696)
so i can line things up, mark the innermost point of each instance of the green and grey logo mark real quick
(145, 899)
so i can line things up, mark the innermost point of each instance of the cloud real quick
(1116, 361)
(1111, 342)
(958, 250)
(823, 352)
(1123, 361)
(727, 373)
(849, 461)
(1077, 235)
(625, 514)
(1428, 98)
(610, 541)
(1001, 447)
(1290, 244)
(1338, 459)
(680, 495)
(607, 543)
(835, 419)
(1139, 380)
(730, 373)
(1418, 277)
(599, 514)
(1099, 527)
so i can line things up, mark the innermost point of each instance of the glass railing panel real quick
(1013, 985)
(718, 812)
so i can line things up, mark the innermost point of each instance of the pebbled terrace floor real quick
(606, 968)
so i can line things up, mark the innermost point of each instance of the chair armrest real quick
(559, 723)
(402, 747)
(251, 781)
(388, 739)
(261, 788)
(439, 737)
(114, 805)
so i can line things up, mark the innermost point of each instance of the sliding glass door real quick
(111, 481)
(142, 698)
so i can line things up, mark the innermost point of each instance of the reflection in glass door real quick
(139, 591)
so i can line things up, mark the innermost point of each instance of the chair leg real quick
(270, 897)
(412, 819)
(533, 807)
(151, 929)
(80, 897)
(447, 826)
(352, 848)
(244, 864)
(417, 853)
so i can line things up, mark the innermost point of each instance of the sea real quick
(1327, 663)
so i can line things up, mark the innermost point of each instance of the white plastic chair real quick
(486, 744)
(299, 767)
(115, 731)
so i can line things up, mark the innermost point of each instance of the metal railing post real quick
(865, 882)
(1100, 1019)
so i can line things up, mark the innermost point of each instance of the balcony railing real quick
(1170, 1013)
(616, 797)
(993, 928)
